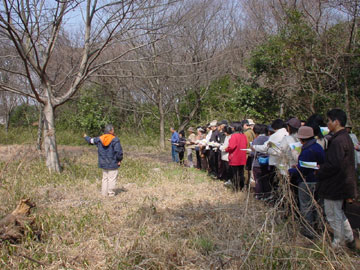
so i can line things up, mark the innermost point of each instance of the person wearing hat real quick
(337, 178)
(306, 178)
(201, 160)
(248, 125)
(190, 146)
(289, 156)
(213, 153)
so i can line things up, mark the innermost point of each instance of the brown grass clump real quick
(163, 217)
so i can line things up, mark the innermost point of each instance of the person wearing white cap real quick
(213, 153)
(190, 146)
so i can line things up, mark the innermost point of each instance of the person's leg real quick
(249, 161)
(189, 157)
(307, 206)
(207, 155)
(181, 157)
(236, 178)
(198, 159)
(177, 160)
(265, 181)
(221, 167)
(204, 160)
(241, 177)
(112, 176)
(212, 169)
(104, 183)
(338, 222)
(258, 184)
(216, 163)
(173, 153)
(272, 180)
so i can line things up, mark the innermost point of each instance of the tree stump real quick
(14, 225)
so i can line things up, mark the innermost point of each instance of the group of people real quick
(319, 161)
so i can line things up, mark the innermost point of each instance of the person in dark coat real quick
(180, 146)
(110, 155)
(337, 178)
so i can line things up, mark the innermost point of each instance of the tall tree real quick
(54, 65)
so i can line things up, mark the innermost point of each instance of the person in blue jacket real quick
(110, 155)
(174, 141)
(306, 178)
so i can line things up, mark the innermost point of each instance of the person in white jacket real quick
(225, 155)
(289, 154)
(272, 145)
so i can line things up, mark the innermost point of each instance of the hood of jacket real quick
(106, 139)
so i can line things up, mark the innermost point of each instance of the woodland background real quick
(146, 65)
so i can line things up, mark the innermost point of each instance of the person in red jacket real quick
(237, 156)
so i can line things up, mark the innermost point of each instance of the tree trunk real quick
(281, 112)
(40, 127)
(177, 112)
(347, 101)
(162, 122)
(7, 122)
(312, 104)
(52, 157)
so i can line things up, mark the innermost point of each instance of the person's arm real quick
(357, 147)
(118, 151)
(89, 139)
(232, 145)
(225, 145)
(176, 137)
(182, 142)
(263, 148)
(334, 161)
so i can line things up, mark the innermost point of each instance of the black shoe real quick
(307, 234)
(351, 245)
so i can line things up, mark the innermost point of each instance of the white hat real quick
(213, 123)
(251, 122)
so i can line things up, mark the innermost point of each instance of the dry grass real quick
(163, 217)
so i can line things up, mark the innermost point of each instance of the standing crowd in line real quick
(320, 161)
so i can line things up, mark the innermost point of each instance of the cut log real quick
(14, 225)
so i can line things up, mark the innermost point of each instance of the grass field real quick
(163, 217)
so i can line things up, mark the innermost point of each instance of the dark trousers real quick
(227, 172)
(198, 159)
(238, 179)
(181, 157)
(262, 181)
(213, 162)
(221, 168)
(205, 160)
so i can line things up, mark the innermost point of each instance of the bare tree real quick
(54, 67)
